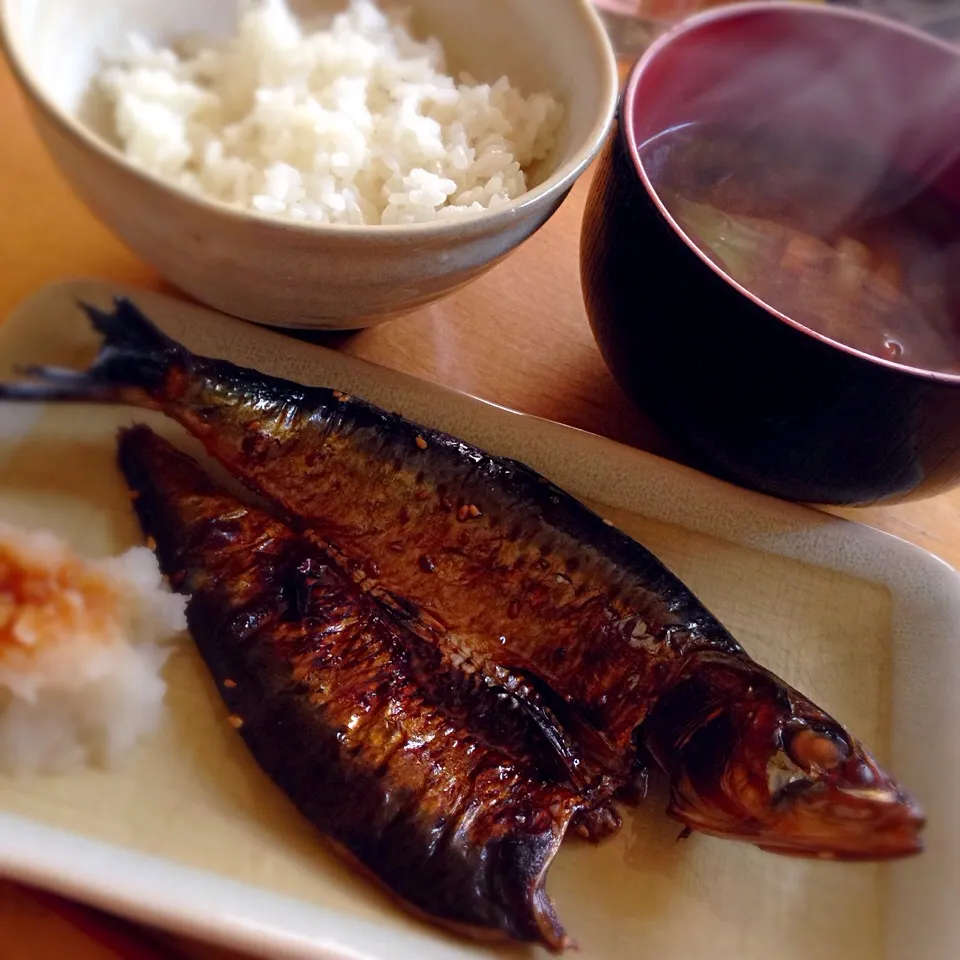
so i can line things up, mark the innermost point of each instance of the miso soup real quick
(835, 238)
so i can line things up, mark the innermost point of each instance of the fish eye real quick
(811, 749)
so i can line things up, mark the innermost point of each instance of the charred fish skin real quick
(487, 555)
(496, 566)
(327, 697)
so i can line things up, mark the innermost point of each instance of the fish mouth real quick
(847, 825)
(895, 843)
(821, 842)
(832, 824)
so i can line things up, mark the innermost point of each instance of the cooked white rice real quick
(355, 123)
(80, 652)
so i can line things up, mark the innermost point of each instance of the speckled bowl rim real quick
(555, 186)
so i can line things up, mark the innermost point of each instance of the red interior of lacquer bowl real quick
(884, 86)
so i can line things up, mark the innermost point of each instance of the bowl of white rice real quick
(322, 163)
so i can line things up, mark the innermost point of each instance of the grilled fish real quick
(427, 779)
(484, 559)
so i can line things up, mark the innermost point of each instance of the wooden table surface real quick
(518, 337)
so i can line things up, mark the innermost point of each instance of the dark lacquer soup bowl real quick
(771, 251)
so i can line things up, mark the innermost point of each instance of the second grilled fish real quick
(427, 780)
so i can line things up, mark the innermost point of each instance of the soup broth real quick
(834, 238)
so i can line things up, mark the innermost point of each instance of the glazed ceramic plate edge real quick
(193, 902)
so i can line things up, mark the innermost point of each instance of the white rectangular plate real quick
(192, 836)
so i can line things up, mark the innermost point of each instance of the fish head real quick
(827, 796)
(751, 758)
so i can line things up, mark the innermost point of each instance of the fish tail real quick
(132, 364)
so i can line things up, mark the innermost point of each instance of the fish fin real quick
(133, 361)
(554, 716)
(128, 327)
